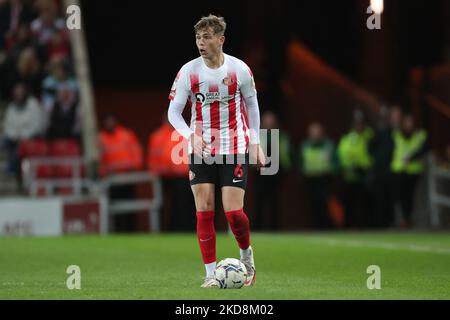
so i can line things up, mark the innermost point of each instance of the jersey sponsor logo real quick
(210, 97)
(200, 97)
(191, 175)
(237, 180)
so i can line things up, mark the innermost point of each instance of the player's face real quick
(208, 43)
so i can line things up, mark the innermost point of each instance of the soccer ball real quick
(231, 274)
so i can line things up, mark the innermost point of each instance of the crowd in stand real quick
(36, 76)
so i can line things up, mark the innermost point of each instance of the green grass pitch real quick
(168, 266)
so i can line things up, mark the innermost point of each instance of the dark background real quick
(156, 40)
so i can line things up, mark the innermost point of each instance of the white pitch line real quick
(382, 245)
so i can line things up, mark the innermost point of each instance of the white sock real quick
(245, 252)
(210, 269)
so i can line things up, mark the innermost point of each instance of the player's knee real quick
(233, 205)
(231, 208)
(205, 205)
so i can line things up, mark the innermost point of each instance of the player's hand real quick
(198, 144)
(257, 151)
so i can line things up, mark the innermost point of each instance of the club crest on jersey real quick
(228, 81)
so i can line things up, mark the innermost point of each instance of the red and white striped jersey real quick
(217, 102)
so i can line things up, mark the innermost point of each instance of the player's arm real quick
(248, 91)
(254, 126)
(178, 98)
(175, 116)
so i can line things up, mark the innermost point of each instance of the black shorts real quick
(220, 170)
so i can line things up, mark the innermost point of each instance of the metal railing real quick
(437, 199)
(33, 183)
(77, 183)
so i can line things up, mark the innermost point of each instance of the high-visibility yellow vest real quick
(353, 151)
(317, 160)
(404, 147)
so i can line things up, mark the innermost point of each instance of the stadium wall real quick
(52, 216)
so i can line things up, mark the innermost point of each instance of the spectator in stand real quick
(60, 77)
(29, 71)
(13, 13)
(24, 120)
(65, 117)
(16, 44)
(21, 40)
(47, 24)
(121, 153)
(174, 174)
(58, 47)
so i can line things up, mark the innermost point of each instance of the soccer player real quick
(223, 135)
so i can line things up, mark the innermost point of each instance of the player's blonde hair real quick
(218, 24)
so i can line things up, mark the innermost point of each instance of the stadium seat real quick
(33, 148)
(36, 148)
(64, 148)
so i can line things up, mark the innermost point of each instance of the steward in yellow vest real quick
(355, 164)
(354, 157)
(269, 187)
(318, 162)
(410, 146)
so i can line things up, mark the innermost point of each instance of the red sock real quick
(240, 227)
(206, 236)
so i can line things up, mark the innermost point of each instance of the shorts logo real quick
(191, 175)
(238, 171)
(228, 81)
